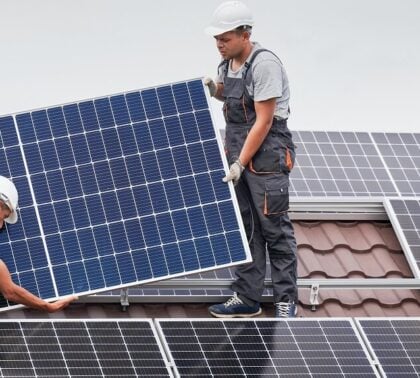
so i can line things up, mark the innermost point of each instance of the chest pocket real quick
(238, 107)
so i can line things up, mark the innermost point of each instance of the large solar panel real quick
(265, 348)
(405, 217)
(22, 246)
(338, 164)
(121, 190)
(78, 348)
(395, 344)
(401, 153)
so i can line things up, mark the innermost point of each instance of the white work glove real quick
(235, 172)
(211, 85)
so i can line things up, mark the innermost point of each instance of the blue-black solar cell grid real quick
(338, 164)
(401, 153)
(272, 348)
(395, 344)
(21, 245)
(81, 349)
(129, 188)
(407, 214)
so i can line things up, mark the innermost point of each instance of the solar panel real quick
(195, 288)
(76, 348)
(401, 153)
(395, 343)
(338, 164)
(124, 189)
(405, 218)
(21, 246)
(265, 347)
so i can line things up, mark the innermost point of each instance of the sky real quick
(353, 65)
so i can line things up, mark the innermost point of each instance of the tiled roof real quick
(354, 250)
(326, 249)
(336, 249)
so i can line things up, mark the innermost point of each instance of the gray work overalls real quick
(262, 194)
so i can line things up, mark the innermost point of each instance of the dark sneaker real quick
(285, 309)
(234, 308)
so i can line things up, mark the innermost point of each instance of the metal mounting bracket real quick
(124, 299)
(313, 296)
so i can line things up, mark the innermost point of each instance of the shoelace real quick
(235, 300)
(283, 309)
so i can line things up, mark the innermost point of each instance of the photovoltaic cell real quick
(395, 343)
(338, 164)
(90, 348)
(122, 187)
(21, 246)
(405, 217)
(265, 347)
(401, 153)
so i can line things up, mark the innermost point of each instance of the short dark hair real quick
(243, 28)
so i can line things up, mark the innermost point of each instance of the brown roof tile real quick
(333, 249)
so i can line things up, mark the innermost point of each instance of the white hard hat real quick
(228, 16)
(9, 195)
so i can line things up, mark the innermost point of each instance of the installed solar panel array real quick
(338, 164)
(401, 154)
(405, 217)
(356, 164)
(89, 348)
(127, 189)
(395, 344)
(269, 348)
(366, 347)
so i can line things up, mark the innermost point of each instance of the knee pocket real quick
(276, 195)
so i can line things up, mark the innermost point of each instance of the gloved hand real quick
(235, 172)
(211, 85)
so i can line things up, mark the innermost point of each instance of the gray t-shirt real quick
(269, 80)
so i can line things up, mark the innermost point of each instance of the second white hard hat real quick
(9, 195)
(228, 16)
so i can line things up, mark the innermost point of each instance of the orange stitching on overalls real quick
(243, 105)
(289, 162)
(251, 167)
(265, 204)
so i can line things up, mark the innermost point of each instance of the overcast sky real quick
(352, 64)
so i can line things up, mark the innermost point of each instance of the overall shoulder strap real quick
(224, 63)
(249, 63)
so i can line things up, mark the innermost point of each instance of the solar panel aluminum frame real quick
(104, 320)
(159, 321)
(366, 341)
(400, 234)
(336, 208)
(108, 288)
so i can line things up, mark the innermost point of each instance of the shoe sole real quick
(287, 317)
(216, 315)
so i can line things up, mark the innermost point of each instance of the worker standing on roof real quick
(254, 87)
(11, 291)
